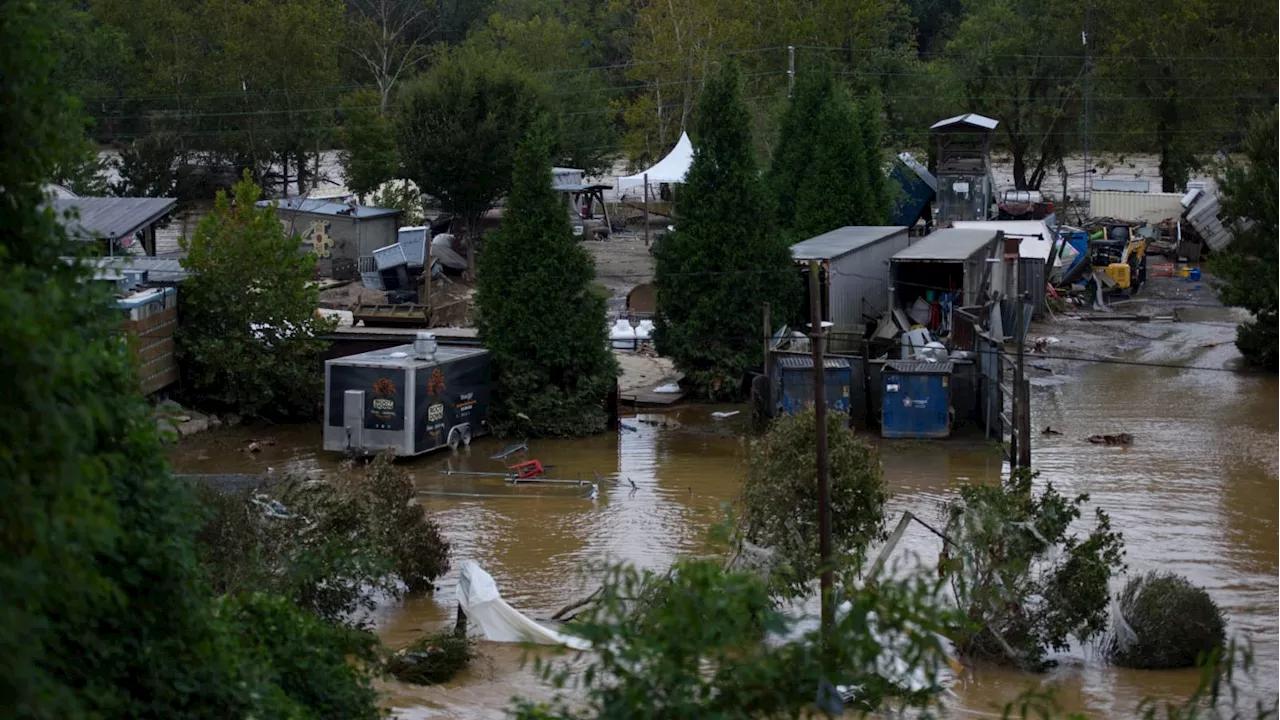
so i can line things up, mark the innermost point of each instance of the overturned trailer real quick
(411, 399)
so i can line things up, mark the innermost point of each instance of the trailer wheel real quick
(466, 435)
(455, 438)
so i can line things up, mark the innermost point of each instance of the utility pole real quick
(1023, 416)
(646, 209)
(820, 433)
(1088, 87)
(791, 69)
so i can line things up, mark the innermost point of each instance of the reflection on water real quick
(1195, 494)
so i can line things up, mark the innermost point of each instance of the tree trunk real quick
(1019, 152)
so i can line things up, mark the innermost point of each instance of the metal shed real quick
(855, 262)
(121, 221)
(950, 260)
(338, 233)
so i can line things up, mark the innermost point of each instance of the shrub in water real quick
(1166, 622)
(432, 659)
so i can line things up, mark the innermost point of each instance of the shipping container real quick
(1150, 208)
(411, 399)
(917, 399)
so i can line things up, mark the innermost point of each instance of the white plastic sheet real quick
(479, 598)
(670, 169)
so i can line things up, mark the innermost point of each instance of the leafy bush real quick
(724, 260)
(368, 154)
(330, 546)
(780, 498)
(1165, 623)
(1024, 582)
(694, 648)
(249, 335)
(432, 659)
(552, 367)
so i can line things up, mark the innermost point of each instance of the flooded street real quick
(1195, 494)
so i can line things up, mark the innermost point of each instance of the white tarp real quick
(670, 169)
(479, 598)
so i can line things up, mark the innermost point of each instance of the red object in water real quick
(527, 469)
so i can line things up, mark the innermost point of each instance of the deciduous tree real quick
(541, 315)
(249, 337)
(458, 127)
(725, 258)
(368, 154)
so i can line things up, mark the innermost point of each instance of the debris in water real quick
(722, 415)
(254, 447)
(1121, 439)
(1049, 431)
(627, 427)
(668, 389)
(510, 450)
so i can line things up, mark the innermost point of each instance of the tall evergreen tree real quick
(725, 258)
(828, 170)
(541, 314)
(1248, 267)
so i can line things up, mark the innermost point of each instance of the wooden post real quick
(1022, 392)
(824, 486)
(646, 209)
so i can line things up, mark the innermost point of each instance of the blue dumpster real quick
(917, 399)
(793, 380)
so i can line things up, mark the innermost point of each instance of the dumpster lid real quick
(805, 362)
(918, 367)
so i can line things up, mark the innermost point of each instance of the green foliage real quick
(828, 169)
(311, 668)
(1168, 623)
(458, 127)
(402, 195)
(150, 167)
(780, 498)
(724, 259)
(102, 609)
(694, 649)
(540, 314)
(249, 336)
(330, 546)
(1025, 583)
(368, 153)
(433, 659)
(557, 49)
(1248, 267)
(1016, 61)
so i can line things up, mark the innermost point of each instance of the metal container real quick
(916, 402)
(793, 383)
(369, 275)
(389, 257)
(414, 242)
(393, 399)
(424, 346)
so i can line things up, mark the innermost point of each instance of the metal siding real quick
(1031, 281)
(1151, 207)
(919, 407)
(859, 284)
(797, 388)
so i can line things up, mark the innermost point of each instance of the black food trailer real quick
(410, 398)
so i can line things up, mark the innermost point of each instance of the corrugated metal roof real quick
(102, 217)
(951, 244)
(970, 119)
(1036, 239)
(842, 241)
(161, 270)
(919, 367)
(312, 206)
(805, 362)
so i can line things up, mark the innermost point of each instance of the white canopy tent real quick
(670, 169)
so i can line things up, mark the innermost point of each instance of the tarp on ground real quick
(670, 169)
(479, 598)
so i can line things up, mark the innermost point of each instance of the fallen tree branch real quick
(574, 606)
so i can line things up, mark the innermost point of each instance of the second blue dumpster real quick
(917, 399)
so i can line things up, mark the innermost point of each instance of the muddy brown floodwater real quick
(1195, 494)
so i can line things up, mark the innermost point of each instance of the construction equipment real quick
(1120, 254)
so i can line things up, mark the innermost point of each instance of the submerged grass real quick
(432, 659)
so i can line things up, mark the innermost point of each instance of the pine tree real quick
(1248, 267)
(541, 315)
(724, 259)
(828, 171)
